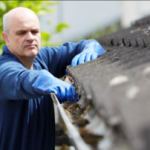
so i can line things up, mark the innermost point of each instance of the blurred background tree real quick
(40, 8)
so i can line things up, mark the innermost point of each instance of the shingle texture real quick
(117, 84)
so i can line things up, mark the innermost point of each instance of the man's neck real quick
(28, 62)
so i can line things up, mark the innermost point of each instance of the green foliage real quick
(61, 26)
(45, 38)
(40, 8)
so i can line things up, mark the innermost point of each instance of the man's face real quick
(24, 36)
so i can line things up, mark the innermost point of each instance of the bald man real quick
(28, 74)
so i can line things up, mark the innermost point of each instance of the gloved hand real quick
(91, 51)
(46, 83)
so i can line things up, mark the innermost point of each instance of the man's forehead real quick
(23, 19)
(26, 29)
(24, 23)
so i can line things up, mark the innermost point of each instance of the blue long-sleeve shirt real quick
(26, 118)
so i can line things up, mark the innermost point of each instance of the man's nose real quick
(30, 36)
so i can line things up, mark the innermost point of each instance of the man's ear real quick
(5, 37)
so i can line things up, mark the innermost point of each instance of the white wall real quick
(84, 17)
(133, 10)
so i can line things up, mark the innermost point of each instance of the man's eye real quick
(21, 33)
(34, 32)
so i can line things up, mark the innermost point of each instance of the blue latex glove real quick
(91, 51)
(46, 83)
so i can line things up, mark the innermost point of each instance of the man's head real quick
(22, 32)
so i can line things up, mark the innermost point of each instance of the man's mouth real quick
(31, 46)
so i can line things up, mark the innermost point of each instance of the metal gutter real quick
(73, 131)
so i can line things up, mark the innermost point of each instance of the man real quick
(27, 75)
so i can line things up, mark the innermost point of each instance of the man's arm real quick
(57, 58)
(16, 82)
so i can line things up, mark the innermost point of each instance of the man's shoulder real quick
(42, 51)
(49, 49)
(7, 61)
(6, 58)
(47, 52)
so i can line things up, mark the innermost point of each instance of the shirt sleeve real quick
(16, 81)
(58, 58)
